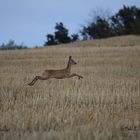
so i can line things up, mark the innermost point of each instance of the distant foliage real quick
(97, 29)
(74, 37)
(61, 36)
(50, 40)
(126, 21)
(11, 45)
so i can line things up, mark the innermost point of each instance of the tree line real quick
(11, 45)
(126, 21)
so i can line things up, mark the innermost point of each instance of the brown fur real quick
(58, 74)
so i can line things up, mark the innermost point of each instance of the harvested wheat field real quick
(104, 105)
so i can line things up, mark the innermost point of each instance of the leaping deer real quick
(58, 74)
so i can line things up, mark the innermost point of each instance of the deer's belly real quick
(59, 74)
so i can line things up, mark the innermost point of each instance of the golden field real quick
(104, 105)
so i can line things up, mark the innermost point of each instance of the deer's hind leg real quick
(37, 78)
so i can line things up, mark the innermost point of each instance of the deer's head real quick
(71, 61)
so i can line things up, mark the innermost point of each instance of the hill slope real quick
(104, 105)
(130, 40)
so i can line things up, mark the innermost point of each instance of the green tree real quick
(126, 21)
(61, 34)
(99, 28)
(50, 40)
(74, 37)
(11, 45)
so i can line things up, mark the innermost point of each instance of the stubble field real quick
(104, 105)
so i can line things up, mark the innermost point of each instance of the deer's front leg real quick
(74, 74)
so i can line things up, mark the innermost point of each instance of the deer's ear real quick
(69, 57)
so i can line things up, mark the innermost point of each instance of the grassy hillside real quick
(104, 105)
(129, 40)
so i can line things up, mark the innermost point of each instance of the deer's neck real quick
(68, 66)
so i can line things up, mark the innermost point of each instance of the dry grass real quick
(123, 41)
(104, 105)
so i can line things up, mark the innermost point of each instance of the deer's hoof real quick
(80, 77)
(30, 84)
